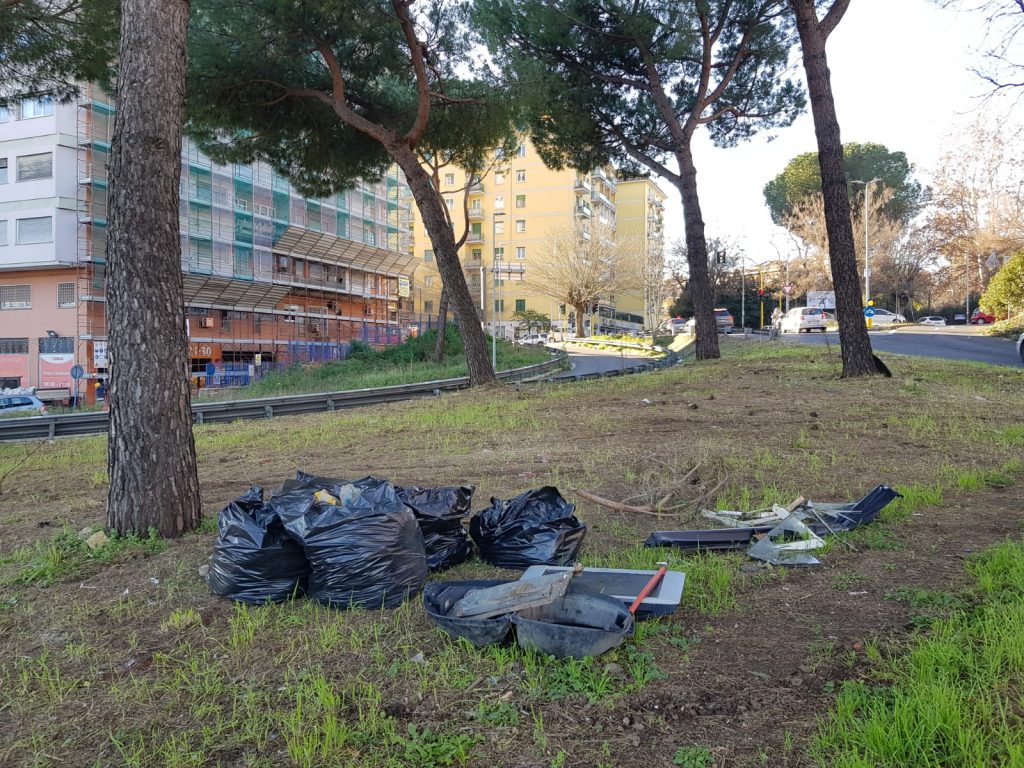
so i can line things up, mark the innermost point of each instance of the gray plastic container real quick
(578, 624)
(626, 585)
(440, 596)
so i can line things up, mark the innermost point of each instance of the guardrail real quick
(611, 343)
(663, 362)
(72, 424)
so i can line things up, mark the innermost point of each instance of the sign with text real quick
(55, 370)
(99, 354)
(821, 299)
(403, 286)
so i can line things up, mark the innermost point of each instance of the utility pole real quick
(867, 253)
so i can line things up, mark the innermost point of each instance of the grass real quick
(406, 363)
(953, 697)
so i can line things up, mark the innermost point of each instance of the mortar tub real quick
(440, 596)
(578, 624)
(626, 586)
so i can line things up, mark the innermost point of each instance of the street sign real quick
(99, 354)
(993, 261)
(77, 372)
(869, 311)
(787, 289)
(211, 369)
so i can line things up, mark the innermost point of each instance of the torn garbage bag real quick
(439, 513)
(535, 528)
(366, 550)
(254, 560)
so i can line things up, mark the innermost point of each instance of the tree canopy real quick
(801, 178)
(1004, 295)
(47, 46)
(259, 88)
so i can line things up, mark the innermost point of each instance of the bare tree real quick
(585, 264)
(648, 262)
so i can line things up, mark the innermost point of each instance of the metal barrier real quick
(71, 424)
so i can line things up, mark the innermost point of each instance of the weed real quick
(501, 713)
(182, 618)
(559, 760)
(692, 757)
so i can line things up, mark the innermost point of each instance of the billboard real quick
(821, 299)
(403, 287)
(55, 370)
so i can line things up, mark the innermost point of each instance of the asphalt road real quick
(597, 360)
(954, 342)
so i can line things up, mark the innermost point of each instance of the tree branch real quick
(832, 18)
(416, 55)
(341, 107)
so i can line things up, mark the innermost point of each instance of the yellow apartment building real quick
(513, 212)
(640, 217)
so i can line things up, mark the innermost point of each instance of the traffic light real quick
(720, 257)
(760, 292)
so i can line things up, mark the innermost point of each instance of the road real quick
(954, 342)
(597, 360)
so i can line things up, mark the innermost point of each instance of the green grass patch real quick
(66, 555)
(953, 698)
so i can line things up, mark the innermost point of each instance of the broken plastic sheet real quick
(788, 543)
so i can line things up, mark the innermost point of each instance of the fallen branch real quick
(618, 506)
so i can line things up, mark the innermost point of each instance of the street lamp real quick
(494, 298)
(867, 253)
(787, 286)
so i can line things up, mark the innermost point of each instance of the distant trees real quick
(633, 82)
(329, 91)
(584, 264)
(531, 318)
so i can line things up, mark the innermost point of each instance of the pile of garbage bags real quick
(367, 543)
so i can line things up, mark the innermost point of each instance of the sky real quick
(900, 76)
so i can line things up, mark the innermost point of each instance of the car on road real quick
(932, 320)
(533, 339)
(25, 405)
(800, 319)
(723, 319)
(1020, 347)
(885, 317)
(981, 317)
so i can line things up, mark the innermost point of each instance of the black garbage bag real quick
(366, 550)
(254, 560)
(535, 528)
(439, 512)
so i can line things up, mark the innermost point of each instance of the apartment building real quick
(270, 277)
(513, 213)
(640, 219)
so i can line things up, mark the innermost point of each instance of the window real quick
(499, 177)
(32, 167)
(520, 176)
(499, 305)
(3, 170)
(428, 255)
(13, 346)
(58, 345)
(449, 179)
(36, 230)
(428, 306)
(499, 226)
(499, 254)
(520, 305)
(520, 225)
(499, 202)
(521, 151)
(65, 294)
(450, 202)
(520, 252)
(428, 281)
(36, 107)
(5, 114)
(3, 233)
(15, 297)
(476, 254)
(520, 201)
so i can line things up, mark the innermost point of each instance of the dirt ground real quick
(133, 662)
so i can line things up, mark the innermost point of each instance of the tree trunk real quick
(442, 324)
(580, 311)
(151, 456)
(854, 342)
(697, 259)
(453, 281)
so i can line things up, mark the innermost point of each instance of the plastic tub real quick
(580, 623)
(440, 596)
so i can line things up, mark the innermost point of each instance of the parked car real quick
(533, 339)
(1020, 347)
(981, 317)
(885, 317)
(24, 404)
(932, 320)
(800, 319)
(674, 326)
(723, 319)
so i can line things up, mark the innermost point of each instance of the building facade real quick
(513, 213)
(641, 220)
(270, 277)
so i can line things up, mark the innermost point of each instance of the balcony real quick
(475, 237)
(476, 188)
(582, 184)
(603, 198)
(583, 209)
(476, 214)
(606, 176)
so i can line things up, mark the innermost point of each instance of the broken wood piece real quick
(618, 506)
(796, 503)
(514, 596)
